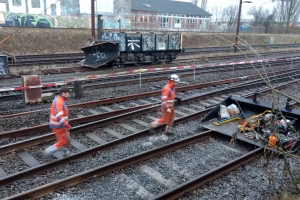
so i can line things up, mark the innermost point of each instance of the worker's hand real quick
(169, 110)
(68, 127)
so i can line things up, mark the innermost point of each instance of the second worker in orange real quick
(168, 100)
(59, 122)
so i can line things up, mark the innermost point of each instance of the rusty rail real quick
(146, 94)
(209, 176)
(91, 151)
(105, 169)
(44, 127)
(150, 107)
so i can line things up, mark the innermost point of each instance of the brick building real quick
(167, 15)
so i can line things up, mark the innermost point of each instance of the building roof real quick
(168, 6)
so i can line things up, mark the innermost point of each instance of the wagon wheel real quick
(169, 61)
(154, 62)
(120, 64)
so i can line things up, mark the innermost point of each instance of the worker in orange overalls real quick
(59, 122)
(168, 99)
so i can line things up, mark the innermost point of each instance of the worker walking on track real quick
(168, 99)
(59, 123)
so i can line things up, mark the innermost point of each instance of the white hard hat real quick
(174, 77)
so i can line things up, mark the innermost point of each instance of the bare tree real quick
(196, 2)
(216, 12)
(203, 3)
(261, 17)
(230, 14)
(287, 12)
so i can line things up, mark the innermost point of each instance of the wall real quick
(64, 13)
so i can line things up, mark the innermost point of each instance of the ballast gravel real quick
(97, 94)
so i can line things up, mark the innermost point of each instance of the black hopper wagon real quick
(119, 49)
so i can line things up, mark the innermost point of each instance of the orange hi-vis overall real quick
(58, 120)
(168, 99)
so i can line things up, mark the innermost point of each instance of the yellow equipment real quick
(226, 120)
(251, 122)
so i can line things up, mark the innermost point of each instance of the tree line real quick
(286, 13)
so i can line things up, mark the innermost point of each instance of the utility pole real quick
(93, 19)
(238, 27)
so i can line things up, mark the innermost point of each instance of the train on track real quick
(118, 49)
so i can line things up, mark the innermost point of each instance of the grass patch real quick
(49, 41)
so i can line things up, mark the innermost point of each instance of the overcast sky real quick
(224, 3)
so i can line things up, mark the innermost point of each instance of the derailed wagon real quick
(257, 123)
(118, 49)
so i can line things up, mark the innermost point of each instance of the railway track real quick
(284, 73)
(50, 59)
(122, 123)
(119, 130)
(149, 77)
(76, 57)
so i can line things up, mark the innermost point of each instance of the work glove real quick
(68, 127)
(178, 101)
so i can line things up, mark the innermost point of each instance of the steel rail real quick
(142, 95)
(45, 127)
(72, 59)
(93, 150)
(211, 175)
(81, 55)
(120, 114)
(128, 82)
(132, 111)
(135, 96)
(105, 169)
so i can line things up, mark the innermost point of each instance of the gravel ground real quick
(188, 164)
(101, 158)
(96, 94)
(252, 181)
(61, 77)
(10, 122)
(6, 141)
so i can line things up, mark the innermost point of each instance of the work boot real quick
(169, 130)
(50, 150)
(151, 127)
(171, 124)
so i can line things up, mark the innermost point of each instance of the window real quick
(137, 19)
(164, 22)
(16, 3)
(191, 23)
(152, 19)
(177, 22)
(53, 9)
(35, 4)
(143, 19)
